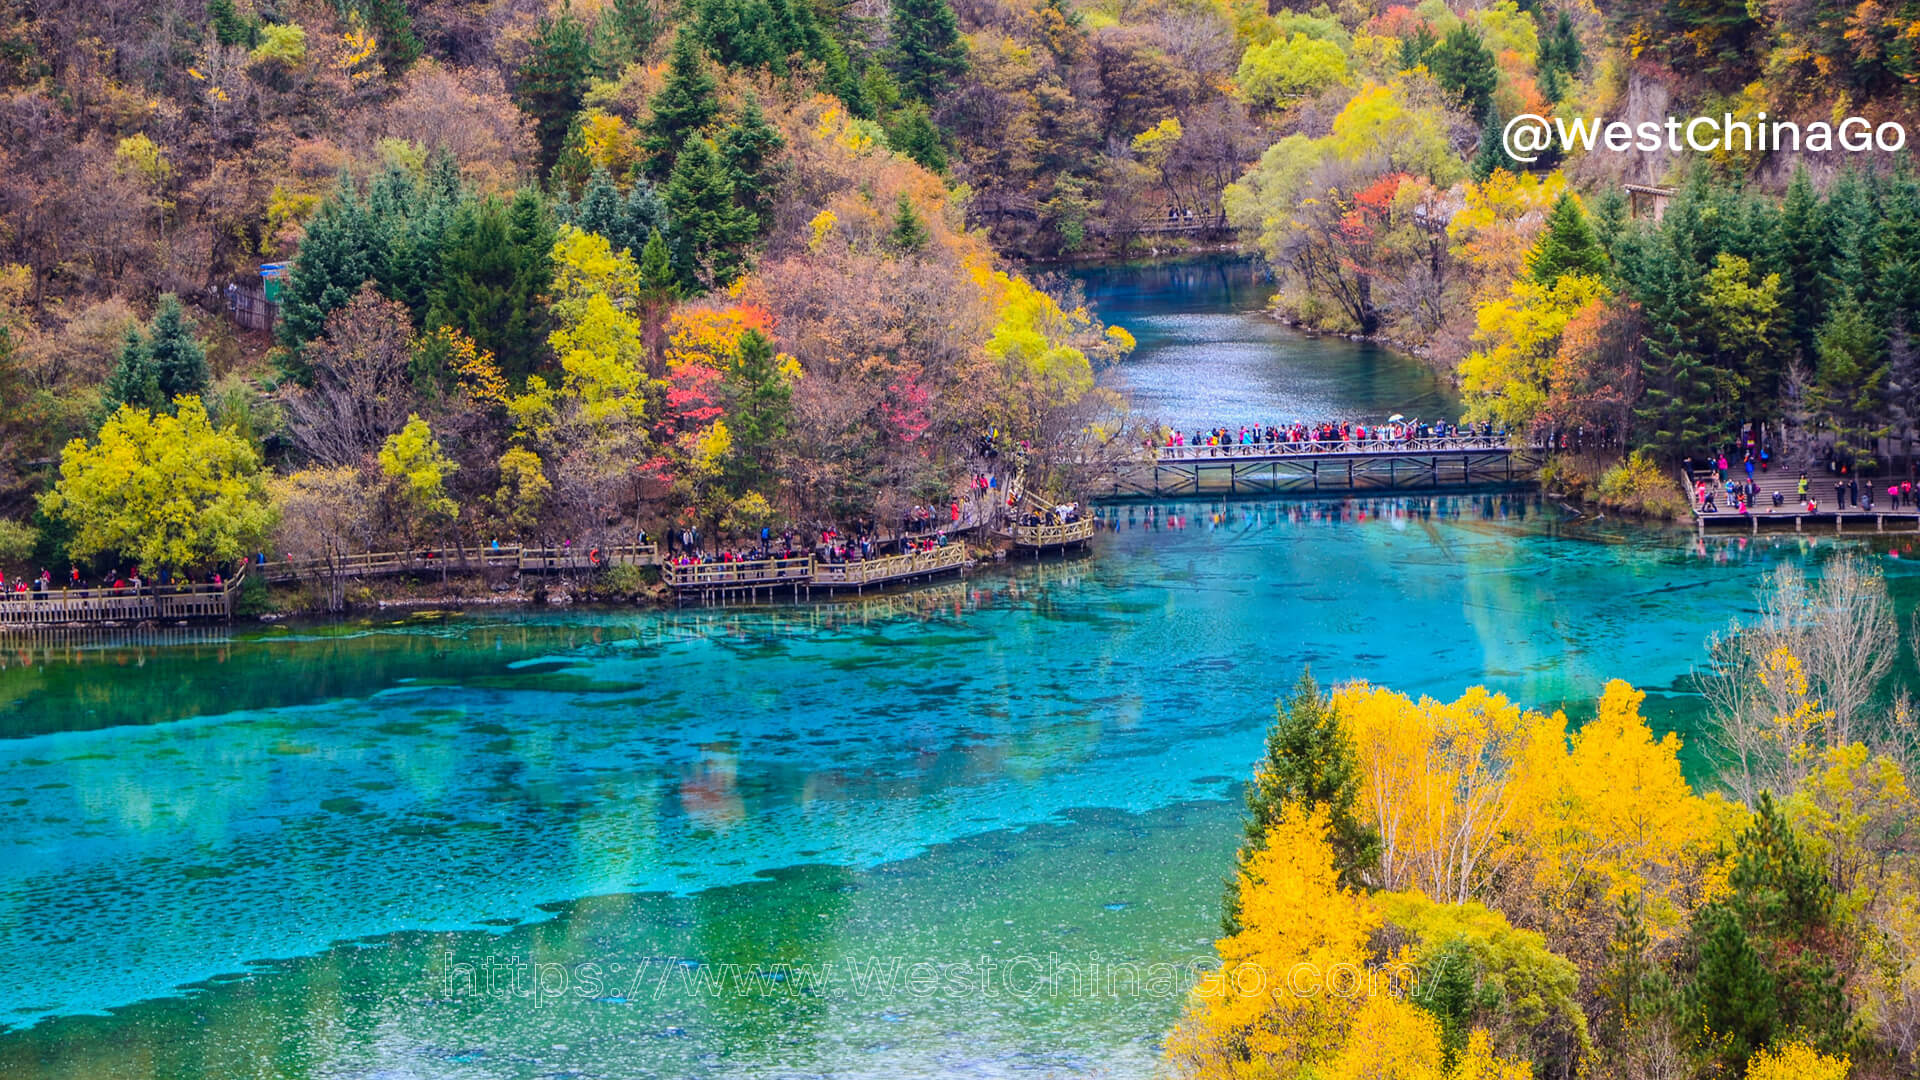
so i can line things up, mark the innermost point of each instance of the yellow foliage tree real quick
(600, 342)
(1606, 814)
(1507, 379)
(1797, 1061)
(1295, 919)
(170, 492)
(1435, 784)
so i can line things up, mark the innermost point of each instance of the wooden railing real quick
(164, 603)
(888, 567)
(744, 572)
(1330, 447)
(506, 556)
(590, 558)
(1073, 532)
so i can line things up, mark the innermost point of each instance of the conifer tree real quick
(928, 53)
(554, 79)
(749, 145)
(1800, 252)
(909, 234)
(628, 28)
(1677, 412)
(336, 257)
(1492, 154)
(392, 26)
(761, 412)
(711, 230)
(1566, 246)
(684, 105)
(495, 268)
(599, 209)
(1309, 761)
(1464, 66)
(658, 288)
(155, 367)
(1760, 969)
(914, 135)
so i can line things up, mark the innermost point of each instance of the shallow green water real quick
(974, 830)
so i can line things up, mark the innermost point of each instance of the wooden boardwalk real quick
(504, 557)
(1792, 513)
(120, 607)
(752, 579)
(1338, 465)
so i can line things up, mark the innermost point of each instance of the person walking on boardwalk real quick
(1803, 487)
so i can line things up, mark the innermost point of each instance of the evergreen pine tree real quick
(1553, 85)
(336, 257)
(492, 275)
(628, 28)
(909, 234)
(711, 230)
(1309, 762)
(914, 135)
(1415, 47)
(761, 412)
(928, 53)
(1800, 252)
(1566, 246)
(554, 79)
(1760, 971)
(644, 213)
(658, 288)
(1849, 377)
(1677, 413)
(599, 209)
(684, 105)
(229, 27)
(164, 363)
(1560, 50)
(1610, 218)
(1492, 154)
(1464, 66)
(392, 26)
(749, 145)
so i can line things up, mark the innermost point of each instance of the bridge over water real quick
(1332, 465)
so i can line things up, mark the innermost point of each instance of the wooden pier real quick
(1330, 466)
(150, 604)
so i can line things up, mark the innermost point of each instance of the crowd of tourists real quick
(1328, 431)
(832, 546)
(1722, 485)
(128, 582)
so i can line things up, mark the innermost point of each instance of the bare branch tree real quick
(361, 393)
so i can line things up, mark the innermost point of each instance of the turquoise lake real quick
(977, 829)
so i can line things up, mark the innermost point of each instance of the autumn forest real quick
(584, 272)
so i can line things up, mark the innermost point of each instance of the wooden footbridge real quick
(1332, 465)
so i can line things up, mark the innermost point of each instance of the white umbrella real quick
(1395, 418)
